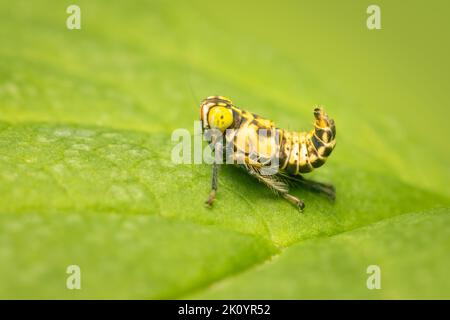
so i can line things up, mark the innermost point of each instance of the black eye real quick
(221, 117)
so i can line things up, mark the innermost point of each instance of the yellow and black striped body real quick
(302, 152)
(257, 141)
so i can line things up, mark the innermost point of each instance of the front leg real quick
(217, 152)
(212, 194)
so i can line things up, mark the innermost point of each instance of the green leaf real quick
(86, 176)
(407, 249)
(119, 256)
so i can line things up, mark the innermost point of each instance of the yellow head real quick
(216, 113)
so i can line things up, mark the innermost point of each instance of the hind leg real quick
(320, 187)
(325, 188)
(278, 186)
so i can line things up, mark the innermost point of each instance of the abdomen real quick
(302, 152)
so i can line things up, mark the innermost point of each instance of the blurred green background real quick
(86, 118)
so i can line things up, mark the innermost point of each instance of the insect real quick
(257, 145)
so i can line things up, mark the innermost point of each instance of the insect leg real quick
(276, 185)
(218, 152)
(212, 194)
(295, 201)
(325, 188)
